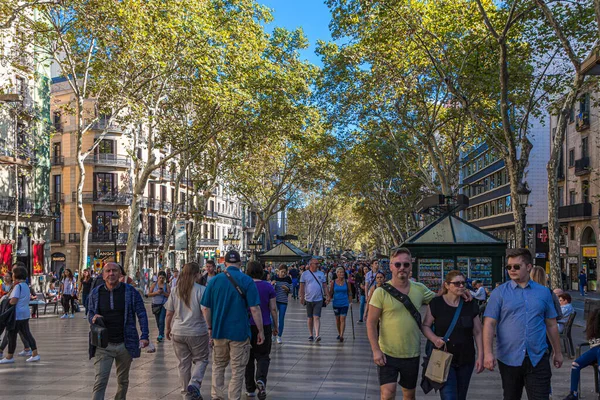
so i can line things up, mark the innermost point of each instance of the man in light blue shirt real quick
(312, 289)
(520, 312)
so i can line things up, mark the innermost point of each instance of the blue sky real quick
(312, 16)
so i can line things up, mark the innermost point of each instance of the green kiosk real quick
(451, 243)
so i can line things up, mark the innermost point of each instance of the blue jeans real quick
(589, 357)
(457, 385)
(363, 300)
(160, 321)
(581, 289)
(281, 309)
(295, 288)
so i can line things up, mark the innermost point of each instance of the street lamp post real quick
(523, 192)
(115, 229)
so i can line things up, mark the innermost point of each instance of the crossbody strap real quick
(405, 300)
(320, 283)
(454, 320)
(237, 287)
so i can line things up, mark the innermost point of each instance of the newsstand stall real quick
(451, 243)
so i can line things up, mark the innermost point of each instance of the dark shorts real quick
(340, 311)
(313, 308)
(408, 368)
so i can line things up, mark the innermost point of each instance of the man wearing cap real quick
(226, 301)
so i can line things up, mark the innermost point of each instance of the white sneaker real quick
(25, 353)
(33, 359)
(72, 316)
(7, 361)
(279, 341)
(64, 316)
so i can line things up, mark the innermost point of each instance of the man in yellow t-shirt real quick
(396, 349)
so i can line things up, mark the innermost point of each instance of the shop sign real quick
(590, 252)
(540, 255)
(573, 260)
(105, 254)
(59, 258)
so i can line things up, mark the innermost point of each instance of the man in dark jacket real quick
(117, 304)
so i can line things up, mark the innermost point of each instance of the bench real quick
(45, 302)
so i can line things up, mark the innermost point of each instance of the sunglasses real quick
(402, 265)
(459, 283)
(516, 267)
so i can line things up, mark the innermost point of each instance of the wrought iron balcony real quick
(166, 205)
(582, 166)
(575, 211)
(57, 160)
(109, 197)
(57, 237)
(27, 206)
(74, 237)
(113, 160)
(104, 125)
(108, 237)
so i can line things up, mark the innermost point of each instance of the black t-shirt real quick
(461, 342)
(294, 273)
(114, 317)
(86, 286)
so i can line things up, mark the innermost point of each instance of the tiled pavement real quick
(299, 370)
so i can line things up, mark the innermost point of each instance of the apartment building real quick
(25, 210)
(107, 198)
(579, 191)
(484, 179)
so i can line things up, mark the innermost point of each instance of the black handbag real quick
(157, 309)
(99, 334)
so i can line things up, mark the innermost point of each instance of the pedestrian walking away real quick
(397, 349)
(582, 282)
(460, 342)
(295, 275)
(19, 297)
(313, 291)
(85, 284)
(520, 313)
(67, 291)
(257, 368)
(118, 304)
(226, 300)
(283, 287)
(339, 291)
(187, 328)
(360, 279)
(160, 291)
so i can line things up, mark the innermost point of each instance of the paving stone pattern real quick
(299, 370)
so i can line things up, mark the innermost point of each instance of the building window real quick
(561, 196)
(486, 210)
(584, 147)
(106, 147)
(102, 223)
(105, 183)
(151, 225)
(508, 204)
(493, 208)
(572, 197)
(571, 233)
(571, 157)
(585, 191)
(500, 206)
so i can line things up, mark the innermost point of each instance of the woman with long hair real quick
(592, 332)
(159, 291)
(259, 359)
(461, 342)
(85, 283)
(340, 292)
(538, 275)
(19, 297)
(67, 291)
(187, 328)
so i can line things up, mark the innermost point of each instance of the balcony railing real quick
(27, 206)
(110, 197)
(210, 214)
(103, 124)
(57, 160)
(108, 237)
(114, 160)
(57, 237)
(208, 242)
(582, 121)
(582, 166)
(58, 126)
(575, 210)
(56, 198)
(166, 205)
(74, 237)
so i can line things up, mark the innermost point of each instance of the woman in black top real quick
(438, 318)
(86, 286)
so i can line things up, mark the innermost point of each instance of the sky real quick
(312, 16)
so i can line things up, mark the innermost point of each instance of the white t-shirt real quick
(313, 289)
(22, 308)
(187, 321)
(173, 283)
(68, 286)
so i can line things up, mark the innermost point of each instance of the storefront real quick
(452, 243)
(58, 262)
(589, 257)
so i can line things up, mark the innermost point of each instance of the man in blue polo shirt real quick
(226, 311)
(523, 312)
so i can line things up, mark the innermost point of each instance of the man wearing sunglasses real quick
(520, 312)
(397, 348)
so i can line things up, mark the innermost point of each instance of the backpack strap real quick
(405, 300)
